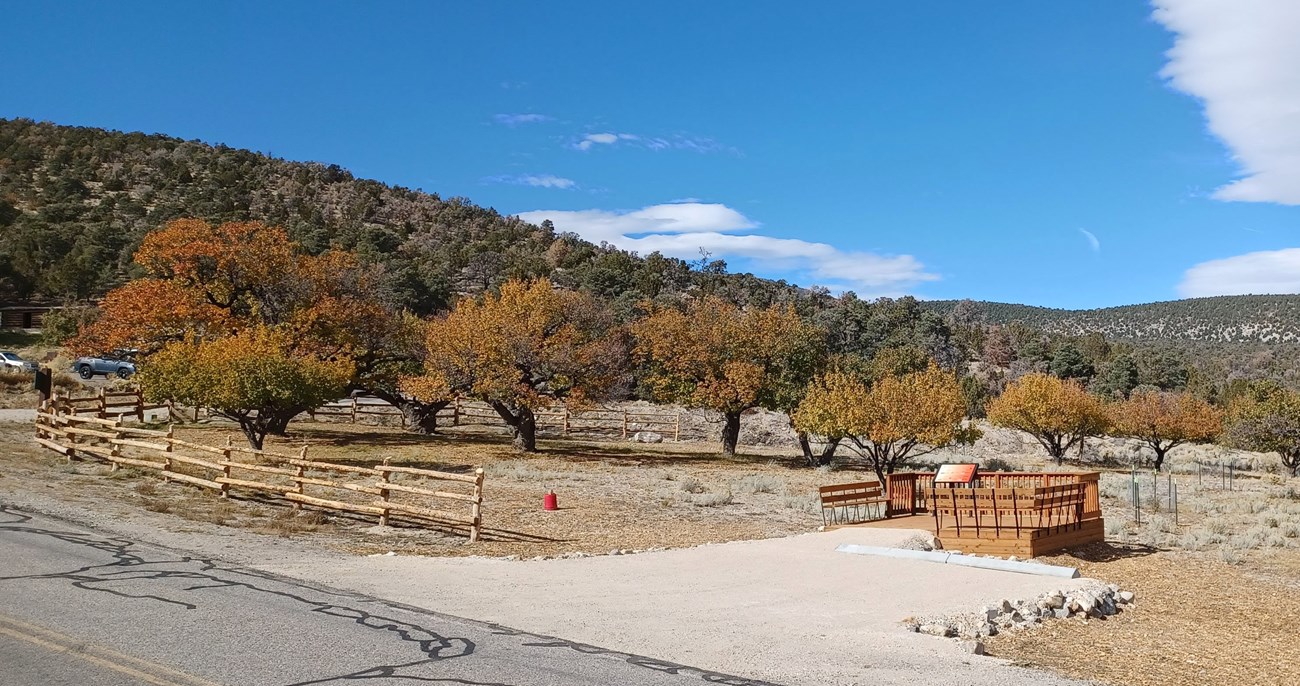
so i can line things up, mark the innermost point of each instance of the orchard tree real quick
(1266, 418)
(1164, 421)
(524, 349)
(715, 355)
(251, 377)
(1059, 414)
(891, 420)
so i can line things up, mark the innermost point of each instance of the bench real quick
(849, 503)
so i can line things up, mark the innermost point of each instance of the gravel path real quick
(18, 416)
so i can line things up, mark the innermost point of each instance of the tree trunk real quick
(277, 421)
(421, 417)
(254, 430)
(1160, 455)
(730, 432)
(827, 452)
(523, 426)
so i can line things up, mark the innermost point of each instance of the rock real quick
(1108, 607)
(1013, 558)
(1061, 613)
(1125, 596)
(973, 647)
(942, 630)
(1007, 606)
(647, 437)
(1056, 600)
(990, 613)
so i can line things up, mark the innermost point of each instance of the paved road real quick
(79, 607)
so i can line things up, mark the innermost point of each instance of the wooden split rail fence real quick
(623, 423)
(106, 404)
(383, 490)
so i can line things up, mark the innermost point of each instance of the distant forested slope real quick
(1224, 319)
(75, 202)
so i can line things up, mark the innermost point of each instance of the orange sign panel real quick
(956, 473)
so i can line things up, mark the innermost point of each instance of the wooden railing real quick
(907, 490)
(106, 404)
(382, 490)
(620, 422)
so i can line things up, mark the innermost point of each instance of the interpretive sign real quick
(956, 473)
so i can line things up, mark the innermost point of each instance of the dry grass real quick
(1197, 621)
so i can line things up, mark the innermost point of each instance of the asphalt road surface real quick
(83, 608)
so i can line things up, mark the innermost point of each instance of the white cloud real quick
(1092, 240)
(517, 119)
(1240, 58)
(538, 180)
(683, 229)
(700, 144)
(1269, 271)
(597, 138)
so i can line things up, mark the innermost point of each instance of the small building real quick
(24, 315)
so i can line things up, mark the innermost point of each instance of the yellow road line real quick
(148, 672)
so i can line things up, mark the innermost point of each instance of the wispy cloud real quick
(1092, 240)
(683, 229)
(1269, 271)
(699, 144)
(1239, 58)
(517, 119)
(538, 180)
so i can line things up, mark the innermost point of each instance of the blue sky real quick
(1048, 153)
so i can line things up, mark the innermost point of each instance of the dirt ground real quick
(1216, 591)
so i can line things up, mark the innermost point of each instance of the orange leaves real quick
(1166, 417)
(525, 347)
(716, 355)
(147, 313)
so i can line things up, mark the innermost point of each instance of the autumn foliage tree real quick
(1058, 413)
(1165, 421)
(715, 355)
(1266, 418)
(521, 350)
(204, 284)
(251, 377)
(890, 420)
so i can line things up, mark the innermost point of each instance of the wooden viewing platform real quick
(1001, 513)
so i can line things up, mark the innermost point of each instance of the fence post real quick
(354, 410)
(625, 425)
(167, 458)
(384, 476)
(300, 472)
(225, 469)
(115, 448)
(566, 421)
(476, 509)
(677, 429)
(455, 412)
(103, 404)
(139, 405)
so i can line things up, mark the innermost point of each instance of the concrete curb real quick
(963, 560)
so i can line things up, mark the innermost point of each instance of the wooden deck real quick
(1005, 514)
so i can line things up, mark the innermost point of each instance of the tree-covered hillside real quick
(1224, 319)
(75, 203)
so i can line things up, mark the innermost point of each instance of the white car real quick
(11, 362)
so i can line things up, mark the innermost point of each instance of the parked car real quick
(117, 365)
(10, 361)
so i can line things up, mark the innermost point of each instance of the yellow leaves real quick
(1174, 417)
(923, 407)
(254, 369)
(1037, 402)
(527, 346)
(716, 355)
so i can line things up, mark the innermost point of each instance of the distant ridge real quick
(1225, 319)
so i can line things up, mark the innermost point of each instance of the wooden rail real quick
(907, 490)
(462, 412)
(106, 404)
(60, 427)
